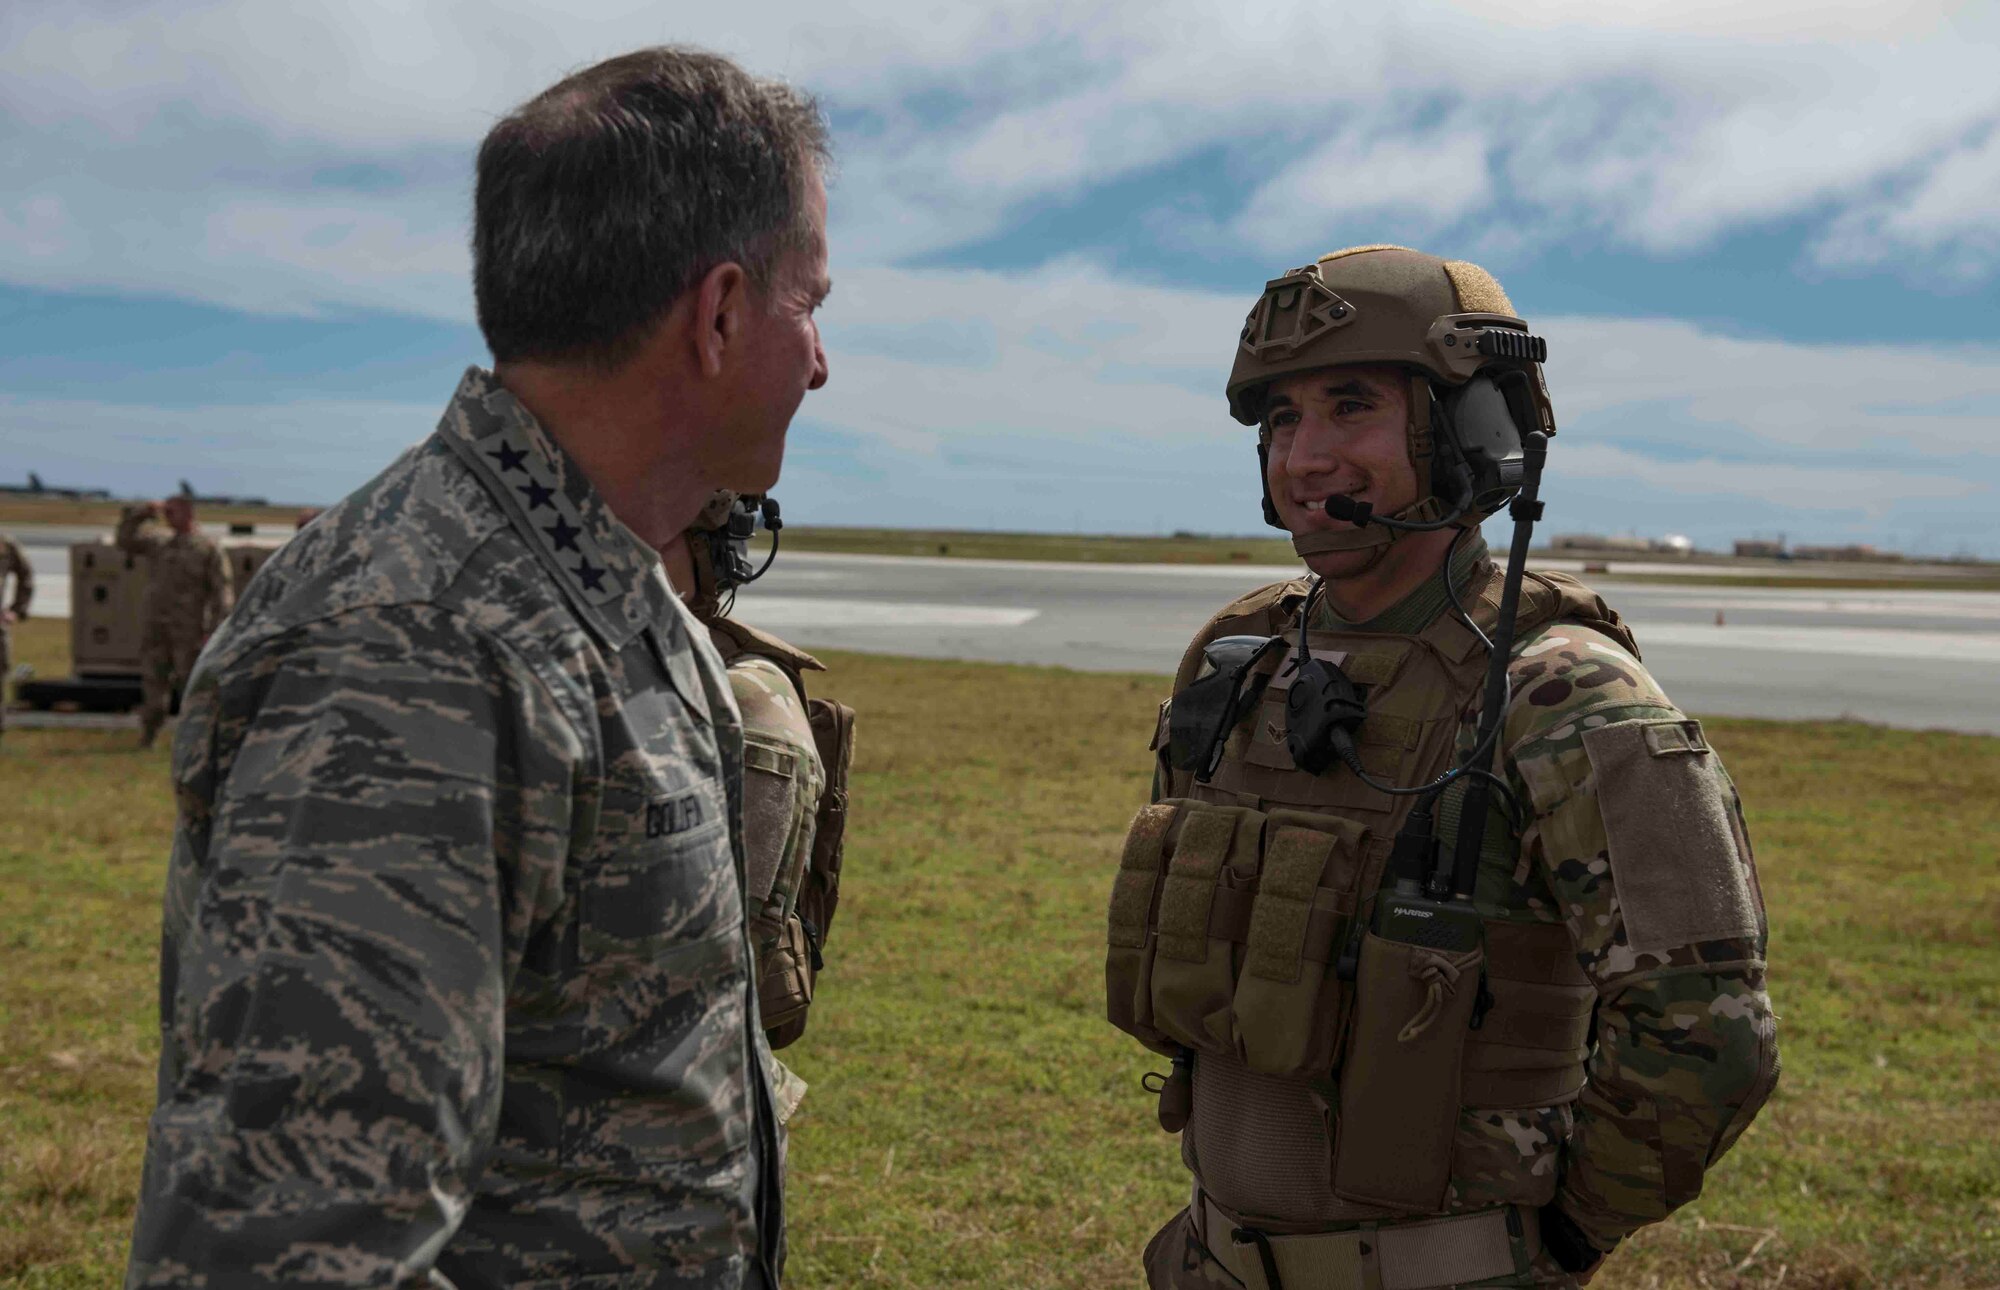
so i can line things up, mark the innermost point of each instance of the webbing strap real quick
(1229, 920)
(1199, 855)
(1426, 1254)
(1294, 859)
(1506, 1089)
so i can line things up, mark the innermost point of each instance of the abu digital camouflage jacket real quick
(455, 984)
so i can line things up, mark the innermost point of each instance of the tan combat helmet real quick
(1444, 321)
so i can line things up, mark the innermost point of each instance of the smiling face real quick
(1338, 430)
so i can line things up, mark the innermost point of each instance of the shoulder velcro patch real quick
(1678, 859)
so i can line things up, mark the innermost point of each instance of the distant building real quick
(1760, 549)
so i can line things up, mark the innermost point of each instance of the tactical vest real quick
(1238, 934)
(796, 753)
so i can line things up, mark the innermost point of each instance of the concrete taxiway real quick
(1916, 659)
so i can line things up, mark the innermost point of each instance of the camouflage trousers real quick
(166, 657)
(1178, 1258)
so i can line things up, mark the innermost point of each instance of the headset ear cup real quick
(1445, 458)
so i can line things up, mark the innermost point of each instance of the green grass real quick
(973, 1120)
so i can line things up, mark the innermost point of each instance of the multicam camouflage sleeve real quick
(374, 814)
(218, 590)
(1638, 831)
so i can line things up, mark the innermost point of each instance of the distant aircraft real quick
(36, 488)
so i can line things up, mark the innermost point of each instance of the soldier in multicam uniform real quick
(188, 594)
(796, 755)
(457, 980)
(13, 564)
(1369, 1107)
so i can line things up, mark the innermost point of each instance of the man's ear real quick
(721, 301)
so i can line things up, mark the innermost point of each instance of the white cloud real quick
(1885, 401)
(1065, 398)
(305, 157)
(1872, 494)
(1946, 218)
(1656, 125)
(1427, 183)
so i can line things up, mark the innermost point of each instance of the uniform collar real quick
(614, 579)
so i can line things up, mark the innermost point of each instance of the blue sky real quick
(1760, 236)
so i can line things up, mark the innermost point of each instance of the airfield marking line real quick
(796, 612)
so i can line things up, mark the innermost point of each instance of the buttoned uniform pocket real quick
(660, 988)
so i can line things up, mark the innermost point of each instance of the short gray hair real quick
(601, 200)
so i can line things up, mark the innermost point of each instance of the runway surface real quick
(1917, 659)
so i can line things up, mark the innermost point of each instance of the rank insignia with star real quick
(563, 534)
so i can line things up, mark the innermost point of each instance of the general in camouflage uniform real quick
(13, 564)
(1362, 1112)
(187, 595)
(457, 982)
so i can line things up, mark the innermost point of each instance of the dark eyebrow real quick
(1345, 389)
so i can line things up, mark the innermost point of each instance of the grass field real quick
(973, 1121)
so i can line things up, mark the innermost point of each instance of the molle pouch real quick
(1128, 982)
(1399, 1090)
(1290, 1006)
(1211, 849)
(784, 978)
(781, 784)
(832, 727)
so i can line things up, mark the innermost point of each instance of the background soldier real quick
(187, 595)
(456, 978)
(14, 564)
(796, 754)
(1418, 1042)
